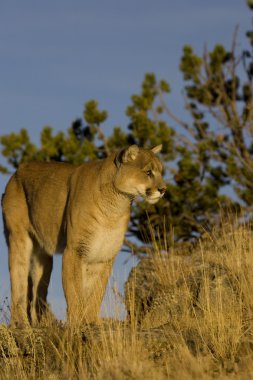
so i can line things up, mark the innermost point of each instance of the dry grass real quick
(210, 337)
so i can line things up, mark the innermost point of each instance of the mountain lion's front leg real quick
(84, 286)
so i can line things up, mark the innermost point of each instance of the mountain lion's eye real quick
(149, 173)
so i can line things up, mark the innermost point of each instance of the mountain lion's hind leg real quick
(39, 277)
(20, 250)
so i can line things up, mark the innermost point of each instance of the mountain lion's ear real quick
(157, 149)
(127, 155)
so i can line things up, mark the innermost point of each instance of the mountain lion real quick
(81, 211)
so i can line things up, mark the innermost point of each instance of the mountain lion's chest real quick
(106, 243)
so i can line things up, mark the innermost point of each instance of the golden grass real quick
(211, 336)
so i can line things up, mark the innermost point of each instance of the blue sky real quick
(56, 55)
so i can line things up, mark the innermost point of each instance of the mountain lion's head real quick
(139, 172)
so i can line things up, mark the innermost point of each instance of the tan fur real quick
(81, 211)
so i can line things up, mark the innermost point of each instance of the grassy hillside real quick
(190, 316)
